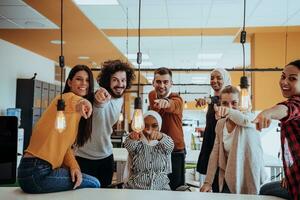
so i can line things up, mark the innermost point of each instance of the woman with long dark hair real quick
(48, 164)
(288, 112)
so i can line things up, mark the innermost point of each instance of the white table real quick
(276, 167)
(12, 193)
(120, 157)
(192, 156)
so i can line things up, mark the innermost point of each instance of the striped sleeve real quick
(130, 145)
(166, 143)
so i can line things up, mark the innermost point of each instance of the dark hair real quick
(85, 125)
(295, 63)
(229, 89)
(109, 68)
(163, 71)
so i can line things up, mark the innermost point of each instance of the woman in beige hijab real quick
(149, 160)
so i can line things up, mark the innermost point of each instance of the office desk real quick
(11, 193)
(276, 167)
(120, 157)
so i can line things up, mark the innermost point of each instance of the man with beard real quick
(170, 107)
(95, 157)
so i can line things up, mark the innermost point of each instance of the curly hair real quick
(109, 68)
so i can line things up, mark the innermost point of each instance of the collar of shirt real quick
(165, 97)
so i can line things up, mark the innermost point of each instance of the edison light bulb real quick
(121, 117)
(137, 123)
(245, 101)
(60, 121)
(185, 105)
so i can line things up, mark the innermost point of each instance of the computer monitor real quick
(8, 149)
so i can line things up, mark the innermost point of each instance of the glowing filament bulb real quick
(60, 122)
(137, 123)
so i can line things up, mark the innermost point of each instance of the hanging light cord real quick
(286, 32)
(61, 58)
(127, 32)
(139, 59)
(243, 40)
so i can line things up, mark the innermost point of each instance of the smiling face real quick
(290, 81)
(118, 83)
(162, 84)
(216, 81)
(79, 84)
(230, 100)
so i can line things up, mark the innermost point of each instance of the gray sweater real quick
(243, 169)
(104, 117)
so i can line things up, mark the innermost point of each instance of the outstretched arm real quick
(264, 118)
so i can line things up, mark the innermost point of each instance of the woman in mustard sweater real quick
(48, 164)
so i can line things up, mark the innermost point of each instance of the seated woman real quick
(49, 164)
(149, 159)
(237, 150)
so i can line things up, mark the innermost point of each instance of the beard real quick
(116, 95)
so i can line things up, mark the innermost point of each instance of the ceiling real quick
(183, 51)
(175, 33)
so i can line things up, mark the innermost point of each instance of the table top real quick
(120, 154)
(13, 193)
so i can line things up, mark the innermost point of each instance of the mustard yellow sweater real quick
(47, 143)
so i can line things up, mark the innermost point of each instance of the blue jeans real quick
(274, 189)
(37, 176)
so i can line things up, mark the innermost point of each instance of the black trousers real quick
(177, 177)
(215, 184)
(102, 169)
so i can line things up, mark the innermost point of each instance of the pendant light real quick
(245, 99)
(137, 123)
(60, 121)
(185, 105)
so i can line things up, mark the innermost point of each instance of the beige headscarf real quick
(225, 75)
(158, 118)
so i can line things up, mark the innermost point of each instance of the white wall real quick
(17, 62)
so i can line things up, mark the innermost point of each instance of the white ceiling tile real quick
(264, 14)
(7, 24)
(103, 12)
(12, 3)
(19, 12)
(35, 23)
(295, 20)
